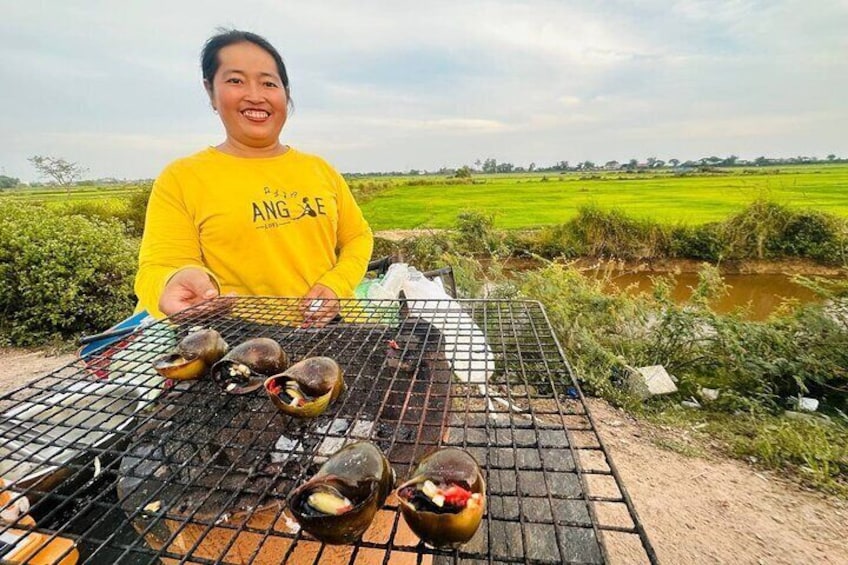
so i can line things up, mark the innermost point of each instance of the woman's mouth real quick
(255, 115)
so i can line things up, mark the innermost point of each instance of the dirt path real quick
(695, 510)
(19, 366)
(699, 510)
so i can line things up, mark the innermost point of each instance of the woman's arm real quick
(170, 245)
(355, 244)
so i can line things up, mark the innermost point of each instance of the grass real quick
(111, 194)
(811, 451)
(534, 199)
(525, 201)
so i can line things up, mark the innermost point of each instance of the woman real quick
(250, 216)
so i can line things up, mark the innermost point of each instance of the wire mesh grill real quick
(134, 470)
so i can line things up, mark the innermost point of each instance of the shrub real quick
(551, 242)
(814, 235)
(136, 210)
(476, 234)
(61, 275)
(752, 232)
(703, 242)
(610, 233)
(802, 351)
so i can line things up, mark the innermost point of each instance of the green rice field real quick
(531, 200)
(523, 201)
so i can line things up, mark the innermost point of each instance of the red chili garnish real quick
(393, 344)
(457, 496)
(274, 389)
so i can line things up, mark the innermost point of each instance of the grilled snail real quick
(247, 365)
(193, 355)
(307, 388)
(338, 504)
(444, 501)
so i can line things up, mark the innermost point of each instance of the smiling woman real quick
(250, 216)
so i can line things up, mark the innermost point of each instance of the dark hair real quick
(209, 61)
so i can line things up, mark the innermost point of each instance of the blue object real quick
(93, 343)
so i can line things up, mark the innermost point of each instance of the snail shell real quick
(425, 499)
(247, 365)
(307, 388)
(338, 504)
(193, 355)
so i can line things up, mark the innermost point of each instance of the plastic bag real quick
(464, 342)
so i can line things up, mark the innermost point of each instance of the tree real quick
(463, 172)
(8, 182)
(490, 166)
(63, 172)
(674, 162)
(532, 167)
(831, 157)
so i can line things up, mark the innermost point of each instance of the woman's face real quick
(248, 94)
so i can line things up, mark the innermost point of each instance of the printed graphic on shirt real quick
(278, 208)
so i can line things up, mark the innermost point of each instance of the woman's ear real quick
(208, 86)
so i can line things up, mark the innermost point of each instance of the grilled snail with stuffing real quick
(307, 388)
(338, 504)
(247, 365)
(193, 355)
(445, 499)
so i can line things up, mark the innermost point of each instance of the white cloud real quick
(391, 85)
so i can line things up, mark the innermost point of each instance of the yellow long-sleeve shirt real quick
(269, 226)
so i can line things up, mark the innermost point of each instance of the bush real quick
(136, 210)
(476, 234)
(814, 235)
(551, 242)
(610, 233)
(61, 275)
(100, 210)
(703, 242)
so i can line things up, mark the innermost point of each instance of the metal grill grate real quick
(136, 472)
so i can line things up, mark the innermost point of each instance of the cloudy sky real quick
(393, 85)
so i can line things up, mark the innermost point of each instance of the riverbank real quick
(788, 266)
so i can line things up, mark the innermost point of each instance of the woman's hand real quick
(319, 306)
(188, 287)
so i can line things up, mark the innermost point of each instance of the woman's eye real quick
(234, 80)
(271, 84)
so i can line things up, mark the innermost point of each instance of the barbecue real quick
(134, 470)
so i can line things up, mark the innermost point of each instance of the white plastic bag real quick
(389, 287)
(464, 342)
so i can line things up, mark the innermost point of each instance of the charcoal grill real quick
(193, 475)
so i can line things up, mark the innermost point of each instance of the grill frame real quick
(437, 335)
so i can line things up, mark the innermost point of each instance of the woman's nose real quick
(254, 92)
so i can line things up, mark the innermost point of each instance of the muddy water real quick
(759, 294)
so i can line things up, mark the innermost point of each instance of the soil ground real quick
(694, 509)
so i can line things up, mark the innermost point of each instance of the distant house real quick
(612, 166)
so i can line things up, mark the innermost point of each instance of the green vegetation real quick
(66, 267)
(533, 200)
(61, 275)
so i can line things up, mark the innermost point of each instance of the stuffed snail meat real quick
(444, 501)
(247, 365)
(307, 388)
(339, 502)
